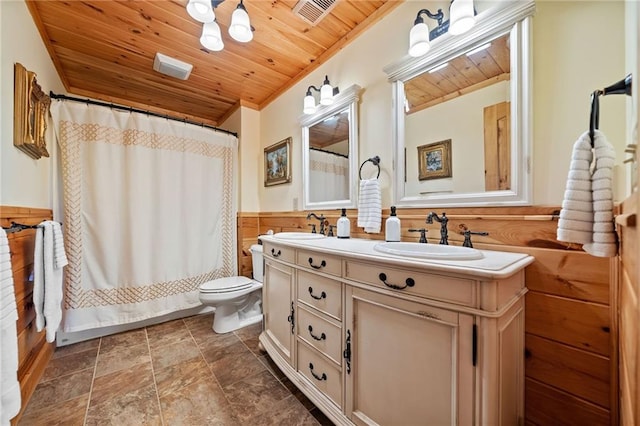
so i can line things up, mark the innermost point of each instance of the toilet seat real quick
(227, 285)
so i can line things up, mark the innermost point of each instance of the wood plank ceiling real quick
(105, 50)
(463, 74)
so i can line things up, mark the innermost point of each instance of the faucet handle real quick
(467, 237)
(331, 228)
(313, 228)
(423, 234)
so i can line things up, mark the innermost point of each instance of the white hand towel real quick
(38, 279)
(587, 209)
(576, 217)
(604, 237)
(52, 281)
(10, 399)
(370, 206)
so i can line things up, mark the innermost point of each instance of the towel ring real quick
(622, 87)
(376, 162)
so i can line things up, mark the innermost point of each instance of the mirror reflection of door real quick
(497, 147)
(465, 99)
(329, 159)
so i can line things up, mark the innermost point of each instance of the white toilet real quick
(238, 300)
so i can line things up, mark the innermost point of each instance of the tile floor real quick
(176, 373)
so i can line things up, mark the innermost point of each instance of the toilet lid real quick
(224, 285)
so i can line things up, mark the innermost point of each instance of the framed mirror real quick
(330, 153)
(462, 116)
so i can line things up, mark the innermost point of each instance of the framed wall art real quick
(30, 113)
(434, 160)
(277, 163)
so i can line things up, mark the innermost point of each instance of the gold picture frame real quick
(30, 113)
(434, 160)
(277, 163)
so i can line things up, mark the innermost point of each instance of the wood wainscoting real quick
(34, 352)
(569, 327)
(629, 312)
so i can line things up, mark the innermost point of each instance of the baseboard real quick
(64, 339)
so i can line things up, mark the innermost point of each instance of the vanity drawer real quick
(320, 333)
(320, 372)
(274, 251)
(322, 293)
(447, 289)
(320, 262)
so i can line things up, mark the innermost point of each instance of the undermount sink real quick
(297, 236)
(428, 251)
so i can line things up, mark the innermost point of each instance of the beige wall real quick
(571, 59)
(23, 181)
(578, 46)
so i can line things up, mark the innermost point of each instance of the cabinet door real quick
(410, 364)
(277, 305)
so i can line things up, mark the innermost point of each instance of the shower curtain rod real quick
(328, 152)
(131, 109)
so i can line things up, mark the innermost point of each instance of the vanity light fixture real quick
(461, 19)
(204, 11)
(326, 96)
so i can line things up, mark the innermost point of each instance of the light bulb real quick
(201, 11)
(309, 105)
(211, 37)
(326, 94)
(240, 28)
(419, 40)
(461, 16)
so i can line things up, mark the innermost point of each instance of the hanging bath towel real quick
(587, 209)
(370, 206)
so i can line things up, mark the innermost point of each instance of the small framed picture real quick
(277, 163)
(434, 160)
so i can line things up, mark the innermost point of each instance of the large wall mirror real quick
(462, 118)
(330, 153)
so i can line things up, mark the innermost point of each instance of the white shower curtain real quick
(328, 176)
(149, 213)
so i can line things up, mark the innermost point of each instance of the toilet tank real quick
(258, 264)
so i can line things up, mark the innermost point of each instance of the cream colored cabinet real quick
(279, 307)
(374, 340)
(409, 363)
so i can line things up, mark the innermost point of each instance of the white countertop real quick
(494, 264)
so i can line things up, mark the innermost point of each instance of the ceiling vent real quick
(313, 11)
(171, 66)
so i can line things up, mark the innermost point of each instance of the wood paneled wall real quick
(569, 341)
(629, 318)
(34, 352)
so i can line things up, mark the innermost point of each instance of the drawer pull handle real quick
(274, 254)
(323, 295)
(322, 264)
(346, 354)
(292, 319)
(322, 336)
(409, 282)
(320, 378)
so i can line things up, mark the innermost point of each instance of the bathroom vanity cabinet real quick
(379, 339)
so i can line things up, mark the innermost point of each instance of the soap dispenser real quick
(392, 226)
(344, 226)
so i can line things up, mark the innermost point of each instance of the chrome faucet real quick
(321, 218)
(443, 220)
